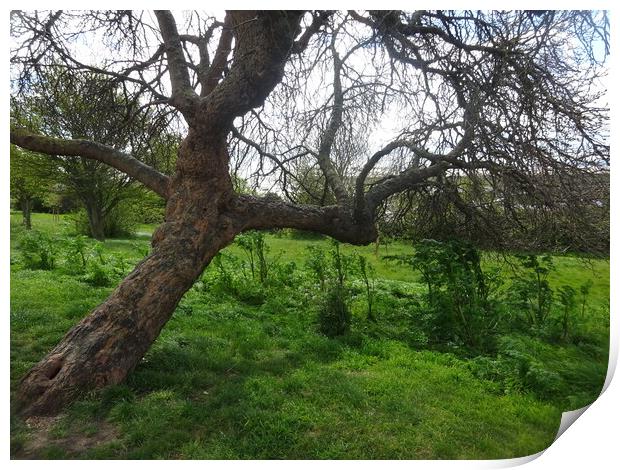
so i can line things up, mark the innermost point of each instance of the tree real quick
(499, 94)
(87, 106)
(27, 181)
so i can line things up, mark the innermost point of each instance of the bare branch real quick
(405, 180)
(318, 20)
(212, 75)
(183, 95)
(129, 165)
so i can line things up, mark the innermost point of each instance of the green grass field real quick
(233, 378)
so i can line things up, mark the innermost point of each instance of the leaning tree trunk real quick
(202, 214)
(107, 344)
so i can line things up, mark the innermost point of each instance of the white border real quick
(590, 442)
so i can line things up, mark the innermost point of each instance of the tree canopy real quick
(380, 102)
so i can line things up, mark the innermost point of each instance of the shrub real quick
(335, 267)
(254, 246)
(224, 279)
(584, 290)
(531, 292)
(76, 254)
(251, 293)
(334, 315)
(459, 294)
(38, 250)
(317, 264)
(99, 274)
(285, 274)
(367, 273)
(99, 270)
(567, 297)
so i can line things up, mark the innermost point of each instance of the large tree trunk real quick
(202, 215)
(106, 345)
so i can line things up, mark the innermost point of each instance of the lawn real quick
(245, 374)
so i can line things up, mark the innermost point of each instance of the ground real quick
(249, 377)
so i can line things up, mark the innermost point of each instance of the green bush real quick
(460, 295)
(38, 250)
(99, 274)
(103, 271)
(221, 279)
(367, 273)
(253, 245)
(531, 293)
(316, 263)
(334, 315)
(76, 254)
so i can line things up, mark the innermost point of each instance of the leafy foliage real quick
(532, 292)
(253, 244)
(334, 315)
(38, 250)
(460, 297)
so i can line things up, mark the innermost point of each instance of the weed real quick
(38, 250)
(367, 272)
(334, 315)
(531, 290)
(459, 293)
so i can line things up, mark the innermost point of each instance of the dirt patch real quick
(74, 442)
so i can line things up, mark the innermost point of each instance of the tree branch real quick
(367, 168)
(328, 137)
(183, 95)
(402, 182)
(252, 212)
(123, 162)
(212, 75)
(335, 122)
(318, 21)
(263, 41)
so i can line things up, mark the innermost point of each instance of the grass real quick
(234, 379)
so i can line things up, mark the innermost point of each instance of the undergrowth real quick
(311, 349)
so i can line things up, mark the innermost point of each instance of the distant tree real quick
(86, 106)
(28, 180)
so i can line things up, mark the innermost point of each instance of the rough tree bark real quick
(202, 216)
(109, 342)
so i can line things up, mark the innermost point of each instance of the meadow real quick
(245, 369)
